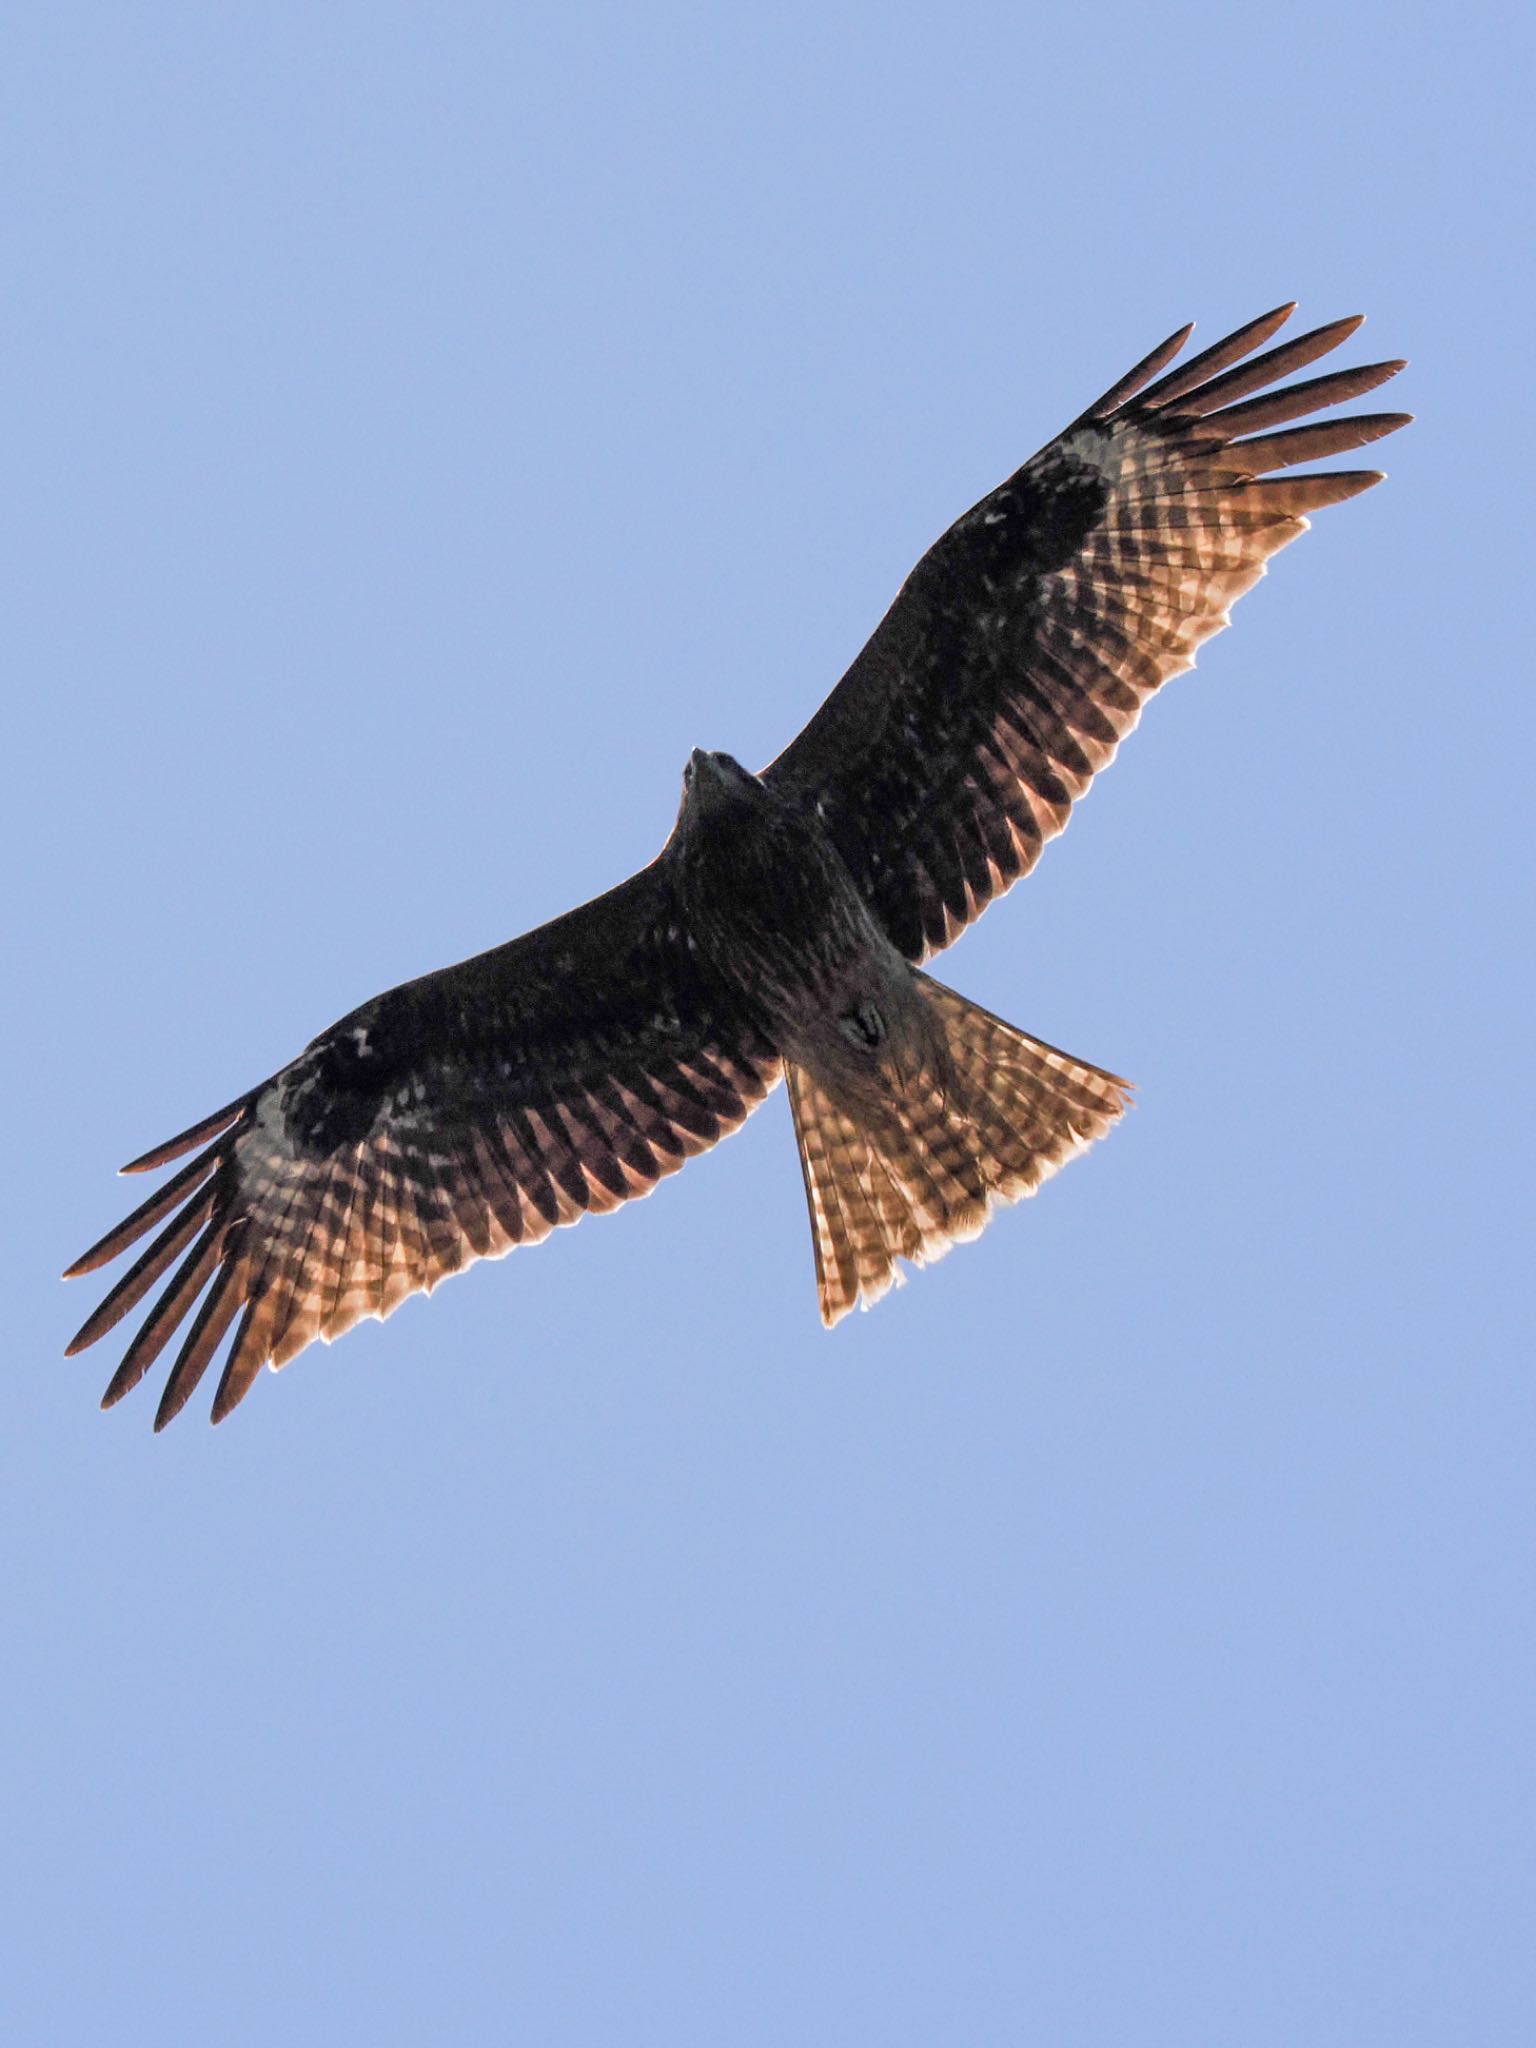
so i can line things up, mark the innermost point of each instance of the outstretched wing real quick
(447, 1120)
(1022, 647)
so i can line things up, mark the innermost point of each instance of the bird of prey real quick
(782, 928)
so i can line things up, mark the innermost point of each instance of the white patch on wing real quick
(265, 1138)
(1094, 448)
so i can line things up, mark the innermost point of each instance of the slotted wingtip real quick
(172, 1401)
(200, 1133)
(1335, 332)
(1354, 481)
(146, 1162)
(1266, 325)
(100, 1254)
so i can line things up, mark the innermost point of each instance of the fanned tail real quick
(923, 1172)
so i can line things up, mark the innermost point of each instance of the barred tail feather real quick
(912, 1178)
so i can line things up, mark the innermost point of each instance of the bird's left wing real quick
(1020, 650)
(447, 1120)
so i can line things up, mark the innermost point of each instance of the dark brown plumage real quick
(781, 928)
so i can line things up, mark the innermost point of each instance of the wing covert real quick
(1021, 649)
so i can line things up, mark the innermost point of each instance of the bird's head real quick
(713, 784)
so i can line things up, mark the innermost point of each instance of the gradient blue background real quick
(423, 427)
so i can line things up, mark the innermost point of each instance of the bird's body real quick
(913, 1109)
(776, 913)
(781, 930)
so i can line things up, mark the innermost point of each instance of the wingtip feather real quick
(121, 1384)
(247, 1354)
(1127, 386)
(143, 1219)
(1230, 349)
(187, 1140)
(1349, 483)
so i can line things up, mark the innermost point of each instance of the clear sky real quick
(423, 427)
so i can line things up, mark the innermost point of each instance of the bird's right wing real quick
(447, 1120)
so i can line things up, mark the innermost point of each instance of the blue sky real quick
(423, 429)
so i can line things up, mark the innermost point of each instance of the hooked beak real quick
(710, 778)
(703, 773)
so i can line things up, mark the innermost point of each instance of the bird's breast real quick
(779, 917)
